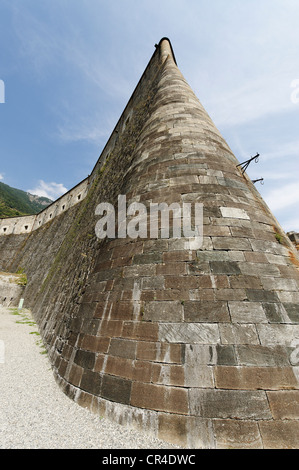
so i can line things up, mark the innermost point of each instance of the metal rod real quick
(245, 165)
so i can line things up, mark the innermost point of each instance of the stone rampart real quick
(196, 345)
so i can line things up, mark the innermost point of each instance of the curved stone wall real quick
(197, 346)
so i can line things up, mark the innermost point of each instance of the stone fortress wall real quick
(197, 347)
(26, 224)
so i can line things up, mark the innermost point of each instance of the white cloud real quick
(283, 197)
(1, 176)
(49, 190)
(291, 225)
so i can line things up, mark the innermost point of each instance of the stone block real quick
(284, 404)
(164, 311)
(161, 352)
(173, 428)
(116, 389)
(288, 297)
(74, 375)
(147, 258)
(226, 355)
(122, 311)
(122, 348)
(174, 256)
(85, 359)
(279, 284)
(234, 213)
(256, 257)
(139, 270)
(292, 311)
(160, 398)
(155, 282)
(171, 269)
(236, 434)
(258, 295)
(224, 267)
(197, 333)
(238, 334)
(119, 366)
(213, 256)
(277, 334)
(255, 378)
(257, 355)
(143, 331)
(233, 404)
(216, 231)
(275, 312)
(230, 294)
(242, 281)
(181, 282)
(245, 232)
(91, 382)
(247, 312)
(231, 243)
(280, 434)
(197, 311)
(220, 281)
(259, 269)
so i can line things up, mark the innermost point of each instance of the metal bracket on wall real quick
(260, 179)
(245, 164)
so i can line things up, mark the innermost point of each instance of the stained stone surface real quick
(197, 345)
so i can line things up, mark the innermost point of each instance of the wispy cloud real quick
(1, 176)
(50, 190)
(286, 149)
(283, 197)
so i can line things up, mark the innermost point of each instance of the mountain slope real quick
(15, 202)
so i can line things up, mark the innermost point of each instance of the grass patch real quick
(26, 319)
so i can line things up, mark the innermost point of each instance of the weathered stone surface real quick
(158, 397)
(247, 312)
(233, 404)
(116, 389)
(197, 311)
(280, 434)
(238, 334)
(234, 213)
(122, 348)
(255, 378)
(284, 404)
(145, 329)
(236, 434)
(277, 334)
(189, 333)
(163, 311)
(256, 355)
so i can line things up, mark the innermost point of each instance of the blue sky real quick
(70, 67)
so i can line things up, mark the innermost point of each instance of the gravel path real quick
(36, 414)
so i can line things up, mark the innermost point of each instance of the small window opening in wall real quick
(63, 207)
(26, 227)
(79, 197)
(4, 229)
(39, 222)
(50, 216)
